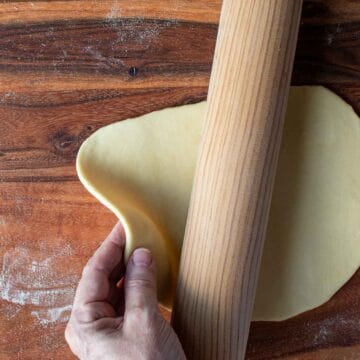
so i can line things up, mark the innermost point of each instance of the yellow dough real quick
(142, 169)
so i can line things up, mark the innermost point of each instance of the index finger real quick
(94, 284)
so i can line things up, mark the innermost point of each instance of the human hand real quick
(115, 313)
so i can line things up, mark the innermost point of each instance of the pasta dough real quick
(142, 169)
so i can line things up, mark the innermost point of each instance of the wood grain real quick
(102, 48)
(234, 176)
(334, 324)
(48, 105)
(39, 11)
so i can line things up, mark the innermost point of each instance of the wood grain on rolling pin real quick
(52, 97)
(235, 171)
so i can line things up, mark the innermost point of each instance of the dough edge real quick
(168, 251)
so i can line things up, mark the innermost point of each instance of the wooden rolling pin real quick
(234, 176)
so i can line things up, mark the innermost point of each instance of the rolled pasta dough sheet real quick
(142, 169)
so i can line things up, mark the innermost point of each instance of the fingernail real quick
(142, 257)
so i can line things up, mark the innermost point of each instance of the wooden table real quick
(68, 68)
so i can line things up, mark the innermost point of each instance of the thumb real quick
(140, 283)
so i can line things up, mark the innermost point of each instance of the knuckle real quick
(89, 313)
(135, 317)
(141, 283)
(137, 310)
(81, 314)
(148, 319)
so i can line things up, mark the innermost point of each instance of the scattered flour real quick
(140, 31)
(27, 279)
(115, 11)
(8, 96)
(106, 61)
(331, 327)
(48, 316)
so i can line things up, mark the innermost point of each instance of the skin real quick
(115, 313)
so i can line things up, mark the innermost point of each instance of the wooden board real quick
(70, 67)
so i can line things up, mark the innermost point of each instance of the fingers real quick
(94, 285)
(140, 283)
(92, 312)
